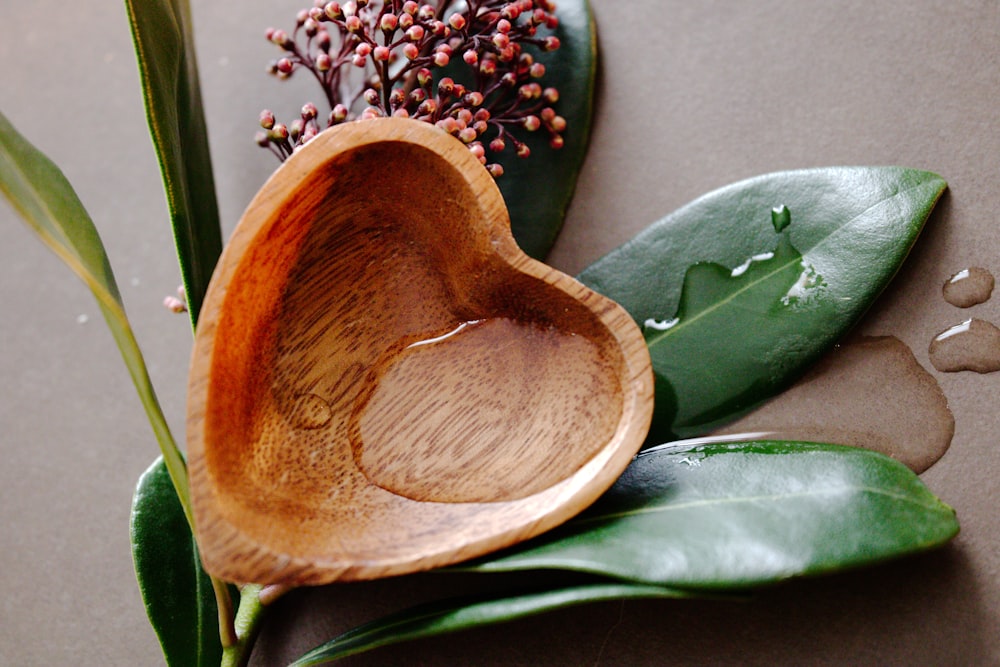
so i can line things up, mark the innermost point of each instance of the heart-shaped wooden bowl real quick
(382, 382)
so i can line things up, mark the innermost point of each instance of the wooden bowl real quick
(382, 382)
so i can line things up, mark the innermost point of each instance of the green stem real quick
(247, 625)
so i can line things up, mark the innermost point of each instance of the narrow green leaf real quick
(730, 515)
(178, 595)
(447, 616)
(538, 189)
(40, 192)
(161, 32)
(741, 340)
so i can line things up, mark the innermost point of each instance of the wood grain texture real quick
(382, 382)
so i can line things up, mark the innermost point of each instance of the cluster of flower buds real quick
(377, 58)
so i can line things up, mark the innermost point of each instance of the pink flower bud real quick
(388, 22)
(496, 171)
(279, 132)
(537, 71)
(381, 54)
(503, 26)
(266, 119)
(551, 43)
(510, 12)
(324, 63)
(474, 99)
(415, 33)
(456, 21)
(309, 111)
(410, 7)
(497, 145)
(285, 66)
(523, 151)
(352, 23)
(531, 123)
(556, 141)
(467, 135)
(363, 49)
(333, 11)
(281, 38)
(446, 86)
(411, 51)
(427, 12)
(470, 57)
(550, 95)
(500, 40)
(174, 304)
(441, 59)
(339, 114)
(449, 125)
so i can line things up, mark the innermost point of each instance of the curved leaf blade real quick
(538, 189)
(447, 616)
(178, 595)
(852, 226)
(732, 515)
(164, 46)
(39, 191)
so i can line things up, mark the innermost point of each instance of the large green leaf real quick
(447, 616)
(538, 189)
(179, 597)
(161, 32)
(40, 192)
(730, 515)
(740, 340)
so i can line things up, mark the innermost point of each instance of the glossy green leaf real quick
(161, 32)
(178, 595)
(538, 189)
(447, 616)
(740, 340)
(40, 192)
(731, 515)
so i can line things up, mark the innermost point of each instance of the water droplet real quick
(310, 412)
(781, 217)
(466, 403)
(82, 318)
(973, 345)
(659, 325)
(869, 393)
(969, 287)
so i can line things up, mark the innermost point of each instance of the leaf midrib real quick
(773, 497)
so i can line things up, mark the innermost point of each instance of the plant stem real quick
(247, 626)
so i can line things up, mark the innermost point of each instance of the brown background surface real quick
(692, 96)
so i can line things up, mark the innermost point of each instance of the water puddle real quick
(869, 393)
(973, 345)
(460, 416)
(968, 287)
